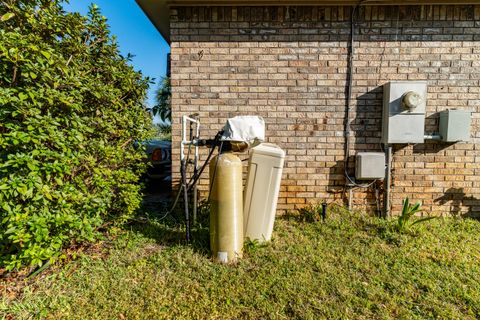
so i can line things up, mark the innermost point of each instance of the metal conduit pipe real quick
(387, 181)
(433, 136)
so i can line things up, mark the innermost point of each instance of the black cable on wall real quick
(351, 52)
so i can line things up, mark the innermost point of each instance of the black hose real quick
(214, 171)
(185, 199)
(169, 212)
(351, 52)
(194, 179)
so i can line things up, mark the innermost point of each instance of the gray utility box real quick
(455, 125)
(404, 105)
(370, 165)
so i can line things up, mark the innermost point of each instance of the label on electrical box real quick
(222, 256)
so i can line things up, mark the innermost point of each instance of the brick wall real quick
(289, 65)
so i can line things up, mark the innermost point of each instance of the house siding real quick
(289, 65)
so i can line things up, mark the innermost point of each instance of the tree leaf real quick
(11, 230)
(7, 16)
(22, 96)
(46, 54)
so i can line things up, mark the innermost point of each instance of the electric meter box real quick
(369, 165)
(455, 125)
(404, 104)
(262, 187)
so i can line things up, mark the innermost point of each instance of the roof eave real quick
(313, 2)
(157, 12)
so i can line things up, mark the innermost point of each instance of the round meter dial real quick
(411, 100)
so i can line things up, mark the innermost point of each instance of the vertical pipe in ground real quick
(387, 181)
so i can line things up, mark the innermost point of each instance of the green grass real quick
(348, 267)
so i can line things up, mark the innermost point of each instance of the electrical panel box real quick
(370, 165)
(404, 104)
(455, 125)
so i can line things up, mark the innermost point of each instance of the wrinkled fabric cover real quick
(249, 129)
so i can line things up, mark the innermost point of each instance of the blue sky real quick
(135, 35)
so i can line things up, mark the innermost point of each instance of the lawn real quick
(351, 266)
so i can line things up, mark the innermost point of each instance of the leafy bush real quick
(70, 107)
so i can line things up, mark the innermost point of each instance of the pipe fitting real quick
(433, 136)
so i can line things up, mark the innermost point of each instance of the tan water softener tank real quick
(261, 193)
(226, 213)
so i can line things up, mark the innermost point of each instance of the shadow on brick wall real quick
(336, 182)
(459, 200)
(365, 130)
(371, 200)
(366, 125)
(431, 147)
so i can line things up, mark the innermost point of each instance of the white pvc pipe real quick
(185, 142)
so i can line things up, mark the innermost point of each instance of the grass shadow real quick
(313, 213)
(168, 229)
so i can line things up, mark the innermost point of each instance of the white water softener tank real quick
(261, 192)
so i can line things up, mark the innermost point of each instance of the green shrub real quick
(409, 210)
(70, 107)
(164, 100)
